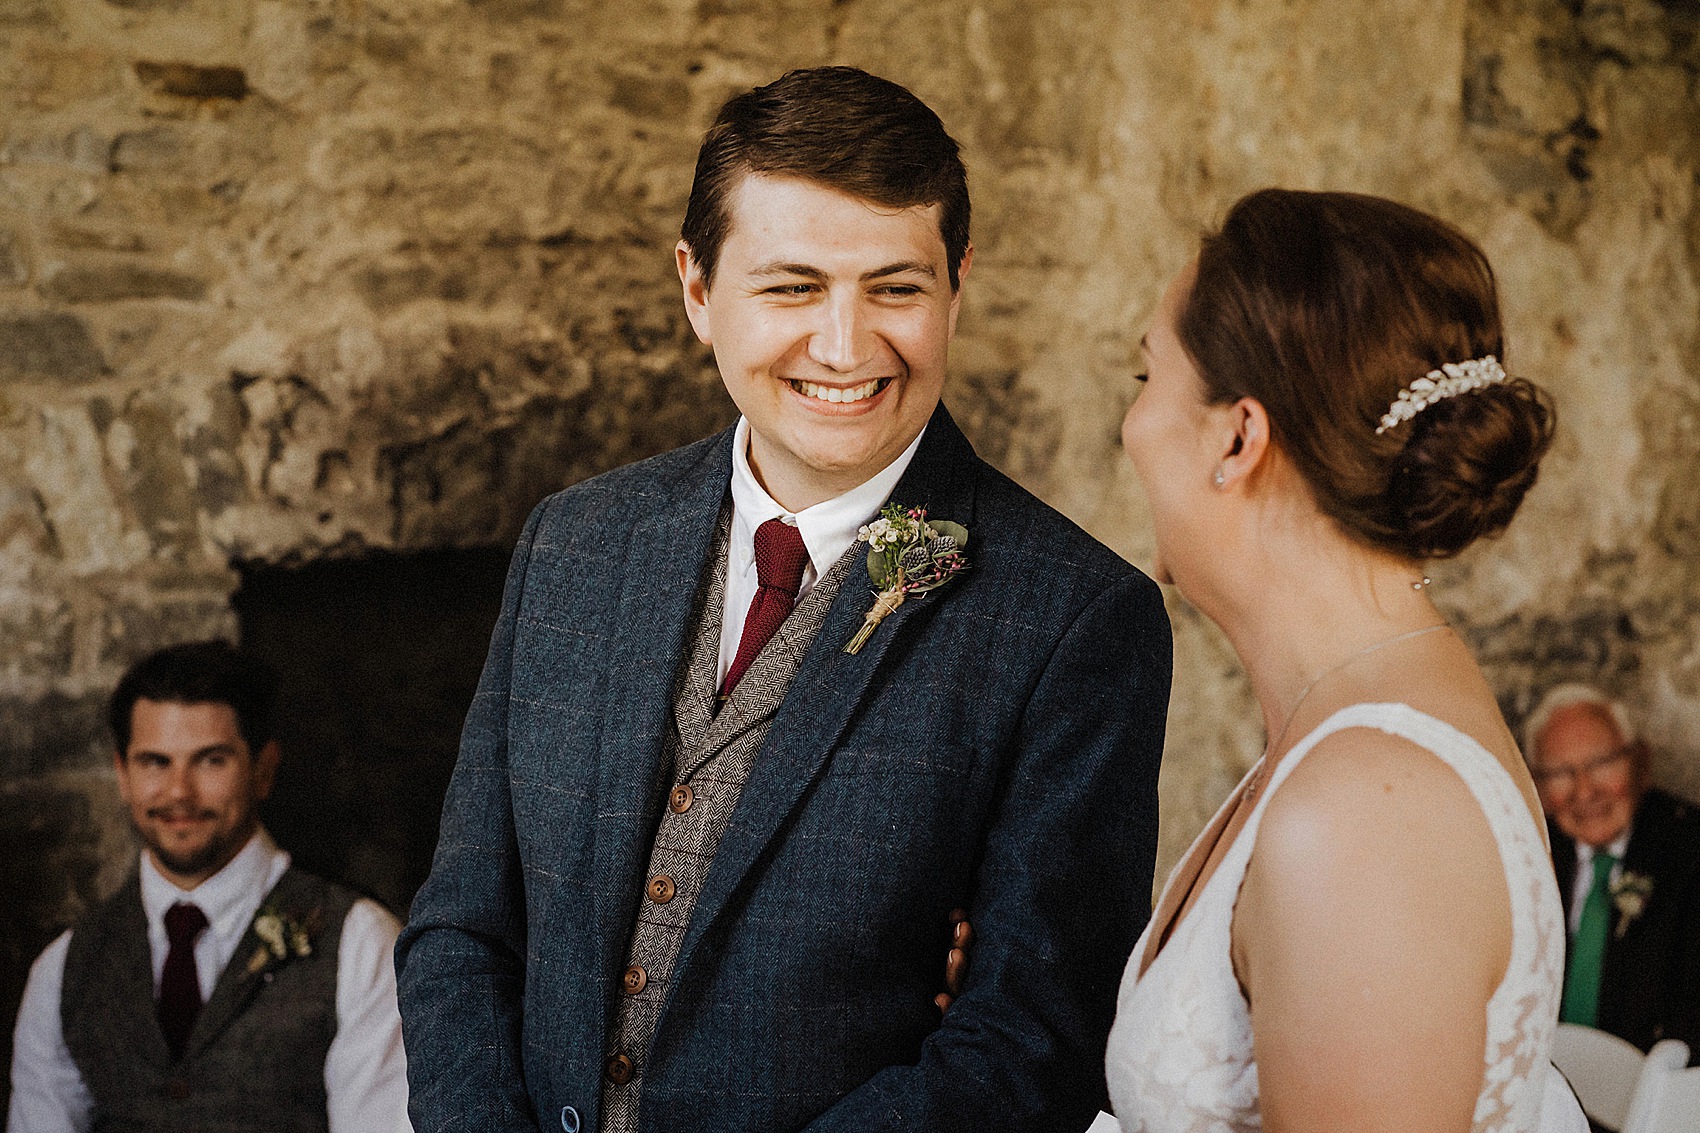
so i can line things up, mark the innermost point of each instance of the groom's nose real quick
(842, 339)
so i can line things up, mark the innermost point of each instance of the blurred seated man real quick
(1627, 857)
(219, 988)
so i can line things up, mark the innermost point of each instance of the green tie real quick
(1588, 949)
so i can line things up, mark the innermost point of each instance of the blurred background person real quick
(1627, 857)
(219, 987)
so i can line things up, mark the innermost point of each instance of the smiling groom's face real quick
(830, 318)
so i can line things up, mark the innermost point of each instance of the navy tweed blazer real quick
(995, 746)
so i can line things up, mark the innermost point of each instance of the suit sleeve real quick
(1062, 892)
(460, 962)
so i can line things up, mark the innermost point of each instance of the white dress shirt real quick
(1584, 879)
(828, 528)
(365, 1068)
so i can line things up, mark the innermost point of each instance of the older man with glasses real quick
(1627, 857)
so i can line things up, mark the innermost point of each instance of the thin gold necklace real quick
(1256, 784)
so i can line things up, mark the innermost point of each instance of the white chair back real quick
(1603, 1069)
(1667, 1099)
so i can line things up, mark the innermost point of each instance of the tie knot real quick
(184, 922)
(780, 556)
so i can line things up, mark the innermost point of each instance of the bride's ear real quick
(1245, 442)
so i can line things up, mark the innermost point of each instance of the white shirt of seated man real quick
(365, 1068)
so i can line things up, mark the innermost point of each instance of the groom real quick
(697, 860)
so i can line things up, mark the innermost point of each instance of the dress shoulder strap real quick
(1458, 750)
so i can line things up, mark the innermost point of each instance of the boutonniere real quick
(908, 554)
(1630, 894)
(282, 936)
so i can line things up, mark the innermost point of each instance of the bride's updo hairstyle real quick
(1323, 306)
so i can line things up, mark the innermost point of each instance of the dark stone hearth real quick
(379, 658)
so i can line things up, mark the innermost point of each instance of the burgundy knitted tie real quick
(179, 987)
(780, 558)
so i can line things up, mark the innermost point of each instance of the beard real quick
(208, 857)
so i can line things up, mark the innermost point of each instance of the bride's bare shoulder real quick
(1371, 827)
(1380, 840)
(1362, 786)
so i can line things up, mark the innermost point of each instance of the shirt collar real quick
(828, 528)
(225, 896)
(1617, 847)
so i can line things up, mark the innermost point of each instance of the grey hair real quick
(1571, 695)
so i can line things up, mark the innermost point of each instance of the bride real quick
(1368, 935)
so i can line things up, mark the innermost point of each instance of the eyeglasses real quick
(1564, 778)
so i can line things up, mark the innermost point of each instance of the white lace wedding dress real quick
(1180, 1054)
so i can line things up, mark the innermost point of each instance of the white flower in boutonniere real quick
(281, 936)
(1630, 894)
(908, 554)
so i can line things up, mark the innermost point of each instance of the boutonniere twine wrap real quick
(282, 936)
(1630, 894)
(908, 554)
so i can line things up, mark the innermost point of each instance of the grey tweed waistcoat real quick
(710, 755)
(256, 1057)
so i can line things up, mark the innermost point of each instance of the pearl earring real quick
(1419, 585)
(1220, 478)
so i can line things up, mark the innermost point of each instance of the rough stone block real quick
(14, 265)
(130, 630)
(110, 281)
(82, 148)
(159, 147)
(186, 80)
(156, 475)
(52, 732)
(38, 629)
(47, 346)
(28, 14)
(63, 845)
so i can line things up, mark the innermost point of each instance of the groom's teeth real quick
(837, 395)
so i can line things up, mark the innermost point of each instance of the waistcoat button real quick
(681, 799)
(618, 1070)
(635, 980)
(661, 889)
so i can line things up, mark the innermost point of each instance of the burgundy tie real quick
(780, 559)
(179, 987)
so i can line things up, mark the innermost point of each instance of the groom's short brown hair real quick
(842, 128)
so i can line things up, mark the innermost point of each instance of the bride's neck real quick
(1300, 602)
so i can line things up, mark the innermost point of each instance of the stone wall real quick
(288, 279)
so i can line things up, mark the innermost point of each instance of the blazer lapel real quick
(830, 684)
(693, 706)
(1563, 863)
(762, 690)
(668, 557)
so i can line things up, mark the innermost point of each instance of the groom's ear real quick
(1244, 441)
(696, 292)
